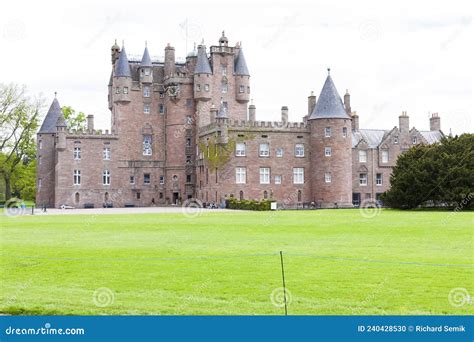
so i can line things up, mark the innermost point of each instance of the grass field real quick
(336, 262)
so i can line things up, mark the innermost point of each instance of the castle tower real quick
(331, 150)
(202, 86)
(46, 156)
(242, 77)
(121, 87)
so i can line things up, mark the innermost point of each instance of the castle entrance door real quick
(175, 197)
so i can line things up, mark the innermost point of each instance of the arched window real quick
(265, 194)
(299, 195)
(241, 195)
(106, 197)
(77, 197)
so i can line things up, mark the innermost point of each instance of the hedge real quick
(249, 204)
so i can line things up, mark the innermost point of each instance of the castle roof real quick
(51, 118)
(122, 68)
(373, 137)
(146, 60)
(329, 105)
(240, 66)
(432, 136)
(202, 63)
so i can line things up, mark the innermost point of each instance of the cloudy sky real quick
(392, 56)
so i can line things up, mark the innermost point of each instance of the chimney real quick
(311, 102)
(90, 123)
(355, 122)
(404, 122)
(435, 122)
(347, 102)
(284, 114)
(252, 110)
(169, 60)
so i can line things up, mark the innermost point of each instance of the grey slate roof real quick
(432, 136)
(122, 68)
(373, 137)
(329, 103)
(202, 63)
(49, 122)
(240, 66)
(146, 60)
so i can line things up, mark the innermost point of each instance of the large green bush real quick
(249, 204)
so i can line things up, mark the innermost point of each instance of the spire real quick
(202, 64)
(329, 103)
(51, 118)
(240, 65)
(146, 60)
(122, 68)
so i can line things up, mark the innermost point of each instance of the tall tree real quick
(74, 120)
(19, 118)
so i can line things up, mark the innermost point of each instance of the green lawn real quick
(336, 262)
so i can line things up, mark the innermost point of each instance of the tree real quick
(74, 120)
(19, 117)
(440, 174)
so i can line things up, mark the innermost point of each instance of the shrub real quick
(249, 204)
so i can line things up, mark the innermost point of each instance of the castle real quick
(185, 130)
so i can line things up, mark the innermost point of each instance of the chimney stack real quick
(435, 122)
(347, 102)
(311, 103)
(284, 114)
(90, 123)
(355, 122)
(252, 111)
(404, 122)
(170, 65)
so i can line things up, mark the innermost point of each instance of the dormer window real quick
(395, 140)
(147, 72)
(414, 140)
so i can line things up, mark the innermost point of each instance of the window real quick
(188, 178)
(39, 182)
(77, 197)
(395, 140)
(206, 87)
(264, 175)
(189, 120)
(414, 140)
(327, 151)
(279, 152)
(146, 91)
(224, 71)
(277, 179)
(147, 150)
(299, 196)
(132, 179)
(39, 160)
(106, 177)
(362, 156)
(40, 144)
(77, 177)
(117, 90)
(106, 153)
(188, 142)
(240, 149)
(138, 195)
(327, 132)
(162, 95)
(385, 156)
(378, 179)
(224, 88)
(125, 90)
(161, 108)
(264, 150)
(77, 153)
(327, 177)
(146, 108)
(198, 87)
(240, 175)
(265, 194)
(241, 89)
(298, 175)
(248, 90)
(162, 180)
(146, 178)
(362, 179)
(344, 132)
(189, 103)
(147, 72)
(299, 150)
(241, 195)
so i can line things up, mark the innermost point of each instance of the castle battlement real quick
(94, 134)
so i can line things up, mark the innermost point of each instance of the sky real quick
(413, 56)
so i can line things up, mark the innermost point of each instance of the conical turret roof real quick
(122, 68)
(51, 118)
(202, 63)
(329, 103)
(240, 65)
(146, 60)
